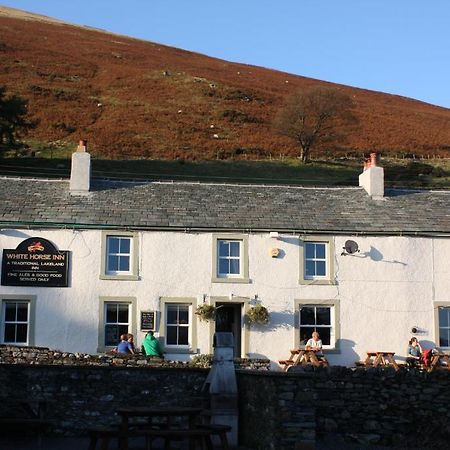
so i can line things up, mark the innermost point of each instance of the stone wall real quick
(367, 405)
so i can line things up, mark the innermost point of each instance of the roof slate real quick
(184, 205)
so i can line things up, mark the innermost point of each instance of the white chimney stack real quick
(372, 178)
(80, 175)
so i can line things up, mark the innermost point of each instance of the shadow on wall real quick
(376, 256)
(345, 347)
(277, 320)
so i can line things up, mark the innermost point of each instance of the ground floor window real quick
(16, 321)
(177, 324)
(444, 326)
(117, 322)
(321, 316)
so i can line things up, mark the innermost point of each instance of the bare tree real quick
(312, 115)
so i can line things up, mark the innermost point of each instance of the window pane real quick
(124, 263)
(325, 335)
(310, 269)
(113, 245)
(444, 337)
(183, 333)
(320, 251)
(307, 316)
(224, 249)
(22, 312)
(183, 315)
(21, 330)
(305, 334)
(10, 312)
(113, 263)
(234, 266)
(122, 316)
(444, 317)
(172, 314)
(125, 245)
(224, 266)
(172, 335)
(111, 313)
(323, 316)
(309, 250)
(235, 248)
(321, 269)
(10, 332)
(112, 335)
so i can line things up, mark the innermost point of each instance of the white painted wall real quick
(384, 290)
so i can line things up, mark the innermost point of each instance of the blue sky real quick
(396, 46)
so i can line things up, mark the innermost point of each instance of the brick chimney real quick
(80, 175)
(372, 178)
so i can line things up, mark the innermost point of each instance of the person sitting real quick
(124, 345)
(414, 352)
(150, 346)
(314, 344)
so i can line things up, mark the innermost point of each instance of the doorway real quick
(228, 319)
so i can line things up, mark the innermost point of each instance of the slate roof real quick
(203, 206)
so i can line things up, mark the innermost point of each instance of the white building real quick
(171, 246)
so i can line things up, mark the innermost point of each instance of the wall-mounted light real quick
(274, 235)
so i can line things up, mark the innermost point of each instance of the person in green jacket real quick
(150, 346)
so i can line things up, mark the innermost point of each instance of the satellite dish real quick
(350, 248)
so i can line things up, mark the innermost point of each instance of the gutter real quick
(296, 231)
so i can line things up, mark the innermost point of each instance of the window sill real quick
(230, 280)
(119, 277)
(317, 282)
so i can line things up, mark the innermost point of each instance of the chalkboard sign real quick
(148, 320)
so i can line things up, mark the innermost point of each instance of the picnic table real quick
(376, 359)
(439, 360)
(302, 357)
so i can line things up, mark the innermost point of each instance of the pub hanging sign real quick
(35, 262)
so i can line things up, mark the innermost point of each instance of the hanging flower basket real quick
(258, 315)
(206, 312)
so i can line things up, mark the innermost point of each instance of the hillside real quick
(132, 98)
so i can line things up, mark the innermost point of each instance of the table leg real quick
(392, 361)
(377, 361)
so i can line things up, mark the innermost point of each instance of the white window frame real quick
(30, 301)
(334, 319)
(438, 326)
(132, 273)
(191, 303)
(242, 277)
(328, 278)
(104, 301)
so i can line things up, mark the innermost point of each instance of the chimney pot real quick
(373, 159)
(82, 146)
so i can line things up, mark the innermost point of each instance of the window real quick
(178, 329)
(119, 256)
(177, 324)
(316, 262)
(117, 322)
(444, 326)
(17, 320)
(321, 316)
(117, 316)
(230, 259)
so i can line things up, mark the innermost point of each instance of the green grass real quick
(55, 162)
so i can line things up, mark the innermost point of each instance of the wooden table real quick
(375, 359)
(166, 414)
(301, 357)
(440, 360)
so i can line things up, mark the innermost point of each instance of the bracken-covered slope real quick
(132, 98)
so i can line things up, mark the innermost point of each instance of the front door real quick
(228, 319)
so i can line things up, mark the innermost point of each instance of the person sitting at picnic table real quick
(150, 345)
(314, 344)
(414, 352)
(124, 345)
(131, 341)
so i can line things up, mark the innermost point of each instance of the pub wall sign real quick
(35, 262)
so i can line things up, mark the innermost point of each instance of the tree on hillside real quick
(13, 121)
(312, 115)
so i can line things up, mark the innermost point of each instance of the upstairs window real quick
(316, 260)
(119, 256)
(230, 258)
